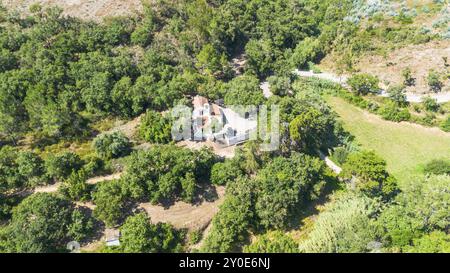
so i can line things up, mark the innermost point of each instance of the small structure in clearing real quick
(224, 125)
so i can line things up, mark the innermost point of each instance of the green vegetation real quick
(112, 145)
(64, 83)
(363, 84)
(45, 223)
(368, 174)
(405, 147)
(275, 242)
(155, 128)
(138, 235)
(346, 225)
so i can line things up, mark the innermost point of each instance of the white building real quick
(215, 123)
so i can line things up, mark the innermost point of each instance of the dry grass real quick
(185, 215)
(84, 9)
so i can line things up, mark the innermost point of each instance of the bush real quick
(138, 235)
(363, 84)
(110, 202)
(445, 124)
(397, 94)
(113, 145)
(434, 81)
(390, 111)
(367, 172)
(155, 128)
(437, 166)
(279, 85)
(224, 172)
(340, 155)
(273, 242)
(430, 104)
(408, 79)
(60, 166)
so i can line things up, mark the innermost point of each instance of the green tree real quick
(435, 242)
(408, 79)
(430, 104)
(261, 55)
(112, 145)
(75, 187)
(109, 199)
(279, 85)
(225, 172)
(230, 225)
(61, 165)
(285, 185)
(307, 50)
(397, 94)
(309, 130)
(155, 128)
(434, 81)
(41, 223)
(419, 209)
(367, 172)
(363, 84)
(138, 235)
(244, 90)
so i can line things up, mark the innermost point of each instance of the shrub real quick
(430, 104)
(279, 85)
(112, 145)
(397, 94)
(195, 237)
(390, 111)
(362, 84)
(60, 166)
(368, 173)
(273, 242)
(224, 172)
(155, 128)
(445, 124)
(340, 155)
(437, 166)
(408, 79)
(434, 81)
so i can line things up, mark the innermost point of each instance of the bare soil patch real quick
(185, 215)
(83, 9)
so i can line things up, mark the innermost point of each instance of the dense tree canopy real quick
(420, 209)
(368, 173)
(45, 223)
(167, 172)
(138, 235)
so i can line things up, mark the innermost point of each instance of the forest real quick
(64, 80)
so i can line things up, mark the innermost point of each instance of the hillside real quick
(84, 9)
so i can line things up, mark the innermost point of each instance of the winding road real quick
(342, 80)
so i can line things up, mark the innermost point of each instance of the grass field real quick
(406, 147)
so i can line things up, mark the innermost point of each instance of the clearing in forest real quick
(406, 147)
